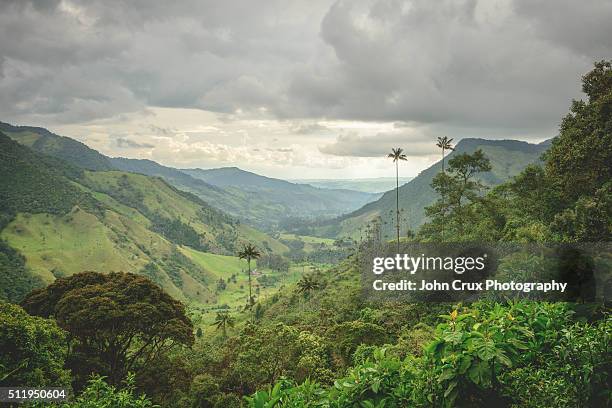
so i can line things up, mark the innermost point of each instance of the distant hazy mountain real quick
(368, 185)
(259, 200)
(292, 199)
(508, 158)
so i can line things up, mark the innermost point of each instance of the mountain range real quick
(65, 208)
(260, 201)
(507, 157)
(368, 185)
(57, 219)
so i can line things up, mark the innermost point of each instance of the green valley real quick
(65, 220)
(260, 201)
(134, 285)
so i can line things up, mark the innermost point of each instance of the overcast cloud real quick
(284, 87)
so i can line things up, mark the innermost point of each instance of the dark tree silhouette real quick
(445, 144)
(308, 283)
(223, 320)
(397, 154)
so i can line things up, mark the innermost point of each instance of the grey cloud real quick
(461, 63)
(125, 143)
(354, 145)
(583, 27)
(458, 64)
(308, 128)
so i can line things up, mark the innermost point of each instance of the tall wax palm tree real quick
(445, 144)
(223, 320)
(307, 284)
(249, 252)
(397, 154)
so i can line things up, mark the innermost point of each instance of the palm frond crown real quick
(445, 143)
(397, 154)
(249, 252)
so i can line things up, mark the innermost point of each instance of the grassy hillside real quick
(58, 220)
(232, 293)
(508, 158)
(65, 148)
(257, 200)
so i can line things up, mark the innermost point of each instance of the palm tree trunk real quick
(250, 294)
(397, 204)
(443, 197)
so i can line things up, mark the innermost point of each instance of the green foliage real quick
(578, 161)
(349, 335)
(249, 253)
(285, 393)
(223, 320)
(519, 354)
(274, 262)
(119, 321)
(569, 199)
(590, 219)
(33, 350)
(64, 148)
(309, 283)
(319, 343)
(34, 183)
(20, 281)
(177, 232)
(459, 191)
(100, 394)
(508, 158)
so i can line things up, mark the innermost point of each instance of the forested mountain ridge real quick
(293, 199)
(262, 201)
(43, 141)
(508, 158)
(58, 220)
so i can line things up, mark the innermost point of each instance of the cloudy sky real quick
(295, 89)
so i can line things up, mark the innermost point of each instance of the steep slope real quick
(508, 158)
(257, 200)
(59, 220)
(65, 148)
(234, 204)
(265, 195)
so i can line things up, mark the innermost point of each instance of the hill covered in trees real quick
(293, 199)
(58, 219)
(260, 201)
(508, 158)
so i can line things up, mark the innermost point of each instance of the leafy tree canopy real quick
(578, 162)
(33, 350)
(120, 321)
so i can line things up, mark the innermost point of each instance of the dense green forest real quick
(125, 339)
